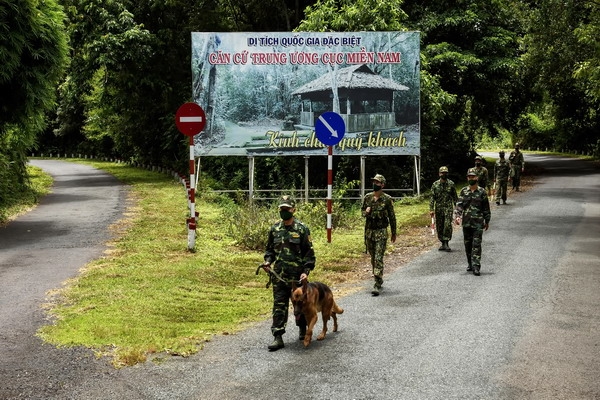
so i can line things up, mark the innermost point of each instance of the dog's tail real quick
(337, 309)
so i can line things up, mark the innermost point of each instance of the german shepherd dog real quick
(310, 299)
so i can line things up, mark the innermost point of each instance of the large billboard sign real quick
(263, 92)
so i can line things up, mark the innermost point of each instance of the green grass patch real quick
(150, 294)
(17, 202)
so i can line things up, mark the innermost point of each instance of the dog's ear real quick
(294, 285)
(304, 286)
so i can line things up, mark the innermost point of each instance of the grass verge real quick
(19, 202)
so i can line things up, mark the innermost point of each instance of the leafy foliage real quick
(34, 53)
(560, 62)
(470, 76)
(351, 16)
(33, 50)
(16, 200)
(499, 71)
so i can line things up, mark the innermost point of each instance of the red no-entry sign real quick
(190, 119)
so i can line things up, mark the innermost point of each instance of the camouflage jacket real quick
(482, 176)
(501, 169)
(290, 249)
(381, 216)
(473, 207)
(443, 195)
(516, 159)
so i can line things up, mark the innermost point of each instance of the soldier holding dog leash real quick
(289, 257)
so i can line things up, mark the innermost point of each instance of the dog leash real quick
(270, 271)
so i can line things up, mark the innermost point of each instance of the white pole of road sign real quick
(329, 189)
(190, 119)
(192, 196)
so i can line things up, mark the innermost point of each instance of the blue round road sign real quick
(330, 128)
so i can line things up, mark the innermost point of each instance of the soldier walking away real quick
(289, 257)
(473, 212)
(441, 205)
(517, 167)
(482, 174)
(501, 174)
(378, 210)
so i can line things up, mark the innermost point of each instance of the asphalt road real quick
(527, 328)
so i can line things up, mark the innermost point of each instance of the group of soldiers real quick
(471, 208)
(290, 257)
(503, 171)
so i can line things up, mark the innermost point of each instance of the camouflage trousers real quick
(516, 177)
(376, 249)
(501, 189)
(472, 237)
(281, 304)
(443, 224)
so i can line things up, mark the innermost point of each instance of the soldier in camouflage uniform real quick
(517, 166)
(442, 202)
(473, 212)
(290, 252)
(378, 210)
(482, 174)
(501, 173)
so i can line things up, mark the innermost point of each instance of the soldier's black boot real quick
(277, 344)
(377, 287)
(443, 246)
(447, 246)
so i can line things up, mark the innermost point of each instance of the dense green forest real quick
(105, 77)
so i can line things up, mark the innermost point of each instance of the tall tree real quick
(33, 50)
(562, 65)
(473, 47)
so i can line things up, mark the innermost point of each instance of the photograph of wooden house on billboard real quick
(262, 92)
(366, 99)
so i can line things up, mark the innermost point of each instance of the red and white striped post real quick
(329, 129)
(192, 194)
(329, 189)
(190, 120)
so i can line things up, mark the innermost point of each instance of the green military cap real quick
(443, 169)
(501, 152)
(479, 158)
(379, 178)
(471, 172)
(287, 201)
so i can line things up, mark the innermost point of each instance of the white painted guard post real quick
(190, 120)
(330, 128)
